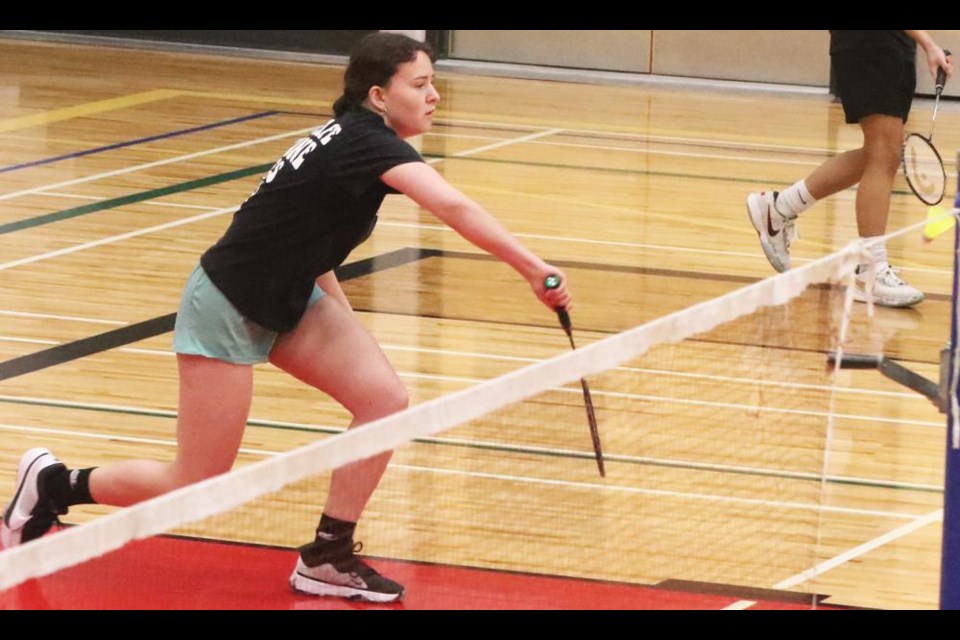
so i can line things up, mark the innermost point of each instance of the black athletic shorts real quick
(874, 81)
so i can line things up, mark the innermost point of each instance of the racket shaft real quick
(594, 430)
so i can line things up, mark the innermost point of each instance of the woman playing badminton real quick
(266, 291)
(875, 74)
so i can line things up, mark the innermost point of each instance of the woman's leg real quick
(215, 401)
(882, 145)
(331, 351)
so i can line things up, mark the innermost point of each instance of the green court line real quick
(131, 199)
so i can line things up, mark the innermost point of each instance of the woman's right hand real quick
(558, 297)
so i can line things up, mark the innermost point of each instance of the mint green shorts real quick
(209, 325)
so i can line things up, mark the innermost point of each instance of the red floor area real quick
(168, 573)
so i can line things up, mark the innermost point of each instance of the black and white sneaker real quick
(775, 230)
(331, 568)
(30, 514)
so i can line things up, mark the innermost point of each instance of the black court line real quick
(164, 324)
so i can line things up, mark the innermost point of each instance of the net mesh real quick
(715, 422)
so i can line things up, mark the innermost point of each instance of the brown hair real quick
(373, 62)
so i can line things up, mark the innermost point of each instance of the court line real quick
(461, 155)
(449, 353)
(101, 343)
(506, 143)
(151, 165)
(636, 245)
(138, 141)
(122, 201)
(655, 152)
(530, 236)
(566, 484)
(148, 203)
(858, 551)
(89, 109)
(500, 447)
(640, 138)
(47, 316)
(117, 238)
(740, 605)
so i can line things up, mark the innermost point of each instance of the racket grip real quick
(942, 75)
(553, 282)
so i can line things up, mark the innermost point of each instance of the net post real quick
(950, 567)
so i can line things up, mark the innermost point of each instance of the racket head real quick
(923, 169)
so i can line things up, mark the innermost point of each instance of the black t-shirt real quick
(871, 39)
(317, 203)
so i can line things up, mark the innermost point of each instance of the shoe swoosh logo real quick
(773, 232)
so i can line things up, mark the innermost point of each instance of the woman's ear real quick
(377, 99)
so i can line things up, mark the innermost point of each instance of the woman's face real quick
(410, 99)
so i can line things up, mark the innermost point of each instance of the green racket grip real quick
(553, 282)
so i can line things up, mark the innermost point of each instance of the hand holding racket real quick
(922, 164)
(553, 282)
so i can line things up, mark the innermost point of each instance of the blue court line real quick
(121, 145)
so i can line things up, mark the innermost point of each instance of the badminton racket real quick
(553, 282)
(922, 164)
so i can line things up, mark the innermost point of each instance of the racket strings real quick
(923, 169)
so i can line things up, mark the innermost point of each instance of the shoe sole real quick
(861, 296)
(768, 251)
(304, 584)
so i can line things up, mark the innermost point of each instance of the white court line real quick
(633, 245)
(177, 223)
(151, 165)
(644, 137)
(152, 203)
(740, 605)
(232, 147)
(507, 143)
(863, 549)
(467, 153)
(487, 444)
(476, 355)
(606, 243)
(567, 484)
(597, 392)
(682, 154)
(647, 140)
(448, 353)
(46, 316)
(112, 239)
(73, 196)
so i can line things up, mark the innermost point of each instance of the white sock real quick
(877, 257)
(794, 200)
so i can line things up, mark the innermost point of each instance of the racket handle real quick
(941, 75)
(553, 282)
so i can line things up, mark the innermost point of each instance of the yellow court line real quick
(100, 106)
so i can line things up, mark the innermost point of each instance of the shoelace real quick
(354, 565)
(890, 277)
(790, 232)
